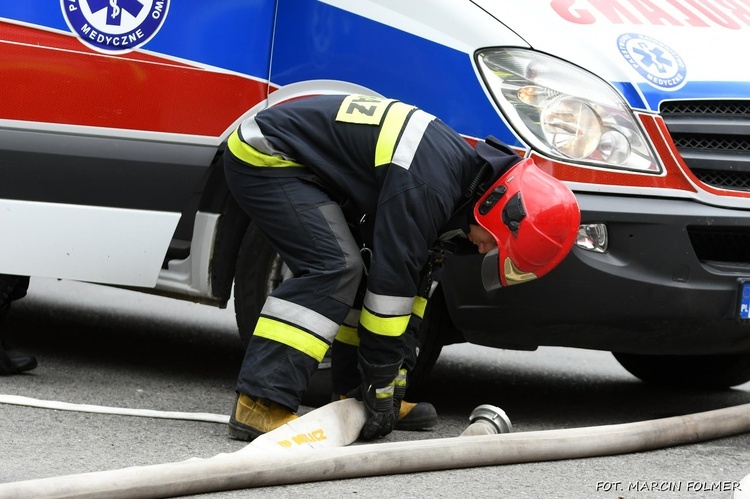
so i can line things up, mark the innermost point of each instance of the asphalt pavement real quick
(110, 347)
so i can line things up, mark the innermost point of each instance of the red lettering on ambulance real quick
(578, 16)
(714, 14)
(654, 14)
(740, 12)
(730, 14)
(690, 17)
(614, 11)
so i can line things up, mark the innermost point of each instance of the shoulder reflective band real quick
(254, 157)
(390, 131)
(363, 109)
(410, 139)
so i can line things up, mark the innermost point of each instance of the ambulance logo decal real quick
(115, 26)
(661, 66)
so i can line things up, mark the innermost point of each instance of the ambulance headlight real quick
(564, 111)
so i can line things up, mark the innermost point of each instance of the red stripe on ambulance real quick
(134, 91)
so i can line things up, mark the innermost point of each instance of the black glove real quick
(377, 393)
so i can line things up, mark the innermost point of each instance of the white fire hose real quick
(302, 451)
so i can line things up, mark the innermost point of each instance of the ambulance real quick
(115, 114)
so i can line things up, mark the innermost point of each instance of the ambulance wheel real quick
(259, 271)
(688, 371)
(436, 327)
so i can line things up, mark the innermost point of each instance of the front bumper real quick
(656, 290)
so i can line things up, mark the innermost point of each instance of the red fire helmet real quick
(534, 219)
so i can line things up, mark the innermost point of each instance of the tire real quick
(436, 327)
(688, 371)
(260, 270)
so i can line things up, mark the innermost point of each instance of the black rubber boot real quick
(11, 363)
(12, 288)
(416, 416)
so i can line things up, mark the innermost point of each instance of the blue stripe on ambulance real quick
(229, 35)
(39, 12)
(318, 41)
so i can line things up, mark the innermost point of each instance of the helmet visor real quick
(491, 279)
(491, 271)
(515, 276)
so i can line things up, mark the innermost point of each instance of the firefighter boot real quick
(13, 363)
(416, 416)
(411, 416)
(253, 416)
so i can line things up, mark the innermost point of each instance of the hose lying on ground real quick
(278, 467)
(120, 411)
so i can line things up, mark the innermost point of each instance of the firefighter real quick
(356, 194)
(12, 288)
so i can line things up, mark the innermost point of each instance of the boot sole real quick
(416, 422)
(243, 432)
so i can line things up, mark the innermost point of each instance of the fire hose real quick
(270, 461)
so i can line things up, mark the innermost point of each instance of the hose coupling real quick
(488, 420)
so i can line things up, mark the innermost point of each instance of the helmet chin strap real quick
(476, 185)
(476, 189)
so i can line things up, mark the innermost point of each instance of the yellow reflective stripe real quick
(254, 157)
(420, 304)
(384, 326)
(348, 335)
(292, 337)
(292, 313)
(362, 109)
(389, 132)
(400, 380)
(385, 392)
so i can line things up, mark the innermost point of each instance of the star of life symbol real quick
(661, 66)
(114, 11)
(115, 26)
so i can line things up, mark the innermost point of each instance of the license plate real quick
(744, 310)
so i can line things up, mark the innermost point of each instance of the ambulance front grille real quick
(713, 138)
(729, 245)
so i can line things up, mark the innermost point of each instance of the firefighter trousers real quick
(302, 316)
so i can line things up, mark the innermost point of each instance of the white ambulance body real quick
(115, 115)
